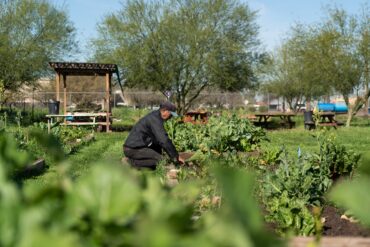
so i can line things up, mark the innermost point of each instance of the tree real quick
(182, 46)
(364, 52)
(32, 33)
(347, 65)
(291, 71)
(332, 56)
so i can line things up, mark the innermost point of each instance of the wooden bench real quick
(76, 116)
(285, 118)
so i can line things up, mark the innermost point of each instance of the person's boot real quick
(127, 161)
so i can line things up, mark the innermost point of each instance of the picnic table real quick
(327, 119)
(286, 118)
(79, 118)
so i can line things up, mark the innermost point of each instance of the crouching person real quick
(145, 142)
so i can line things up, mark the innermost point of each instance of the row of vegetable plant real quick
(221, 134)
(292, 185)
(29, 140)
(113, 206)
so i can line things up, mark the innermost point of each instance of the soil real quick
(186, 155)
(335, 226)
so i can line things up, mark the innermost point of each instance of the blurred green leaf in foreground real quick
(354, 194)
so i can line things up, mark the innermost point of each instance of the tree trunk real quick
(184, 109)
(178, 104)
(180, 101)
(290, 103)
(349, 117)
(366, 101)
(360, 101)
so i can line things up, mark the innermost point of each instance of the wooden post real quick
(107, 98)
(65, 94)
(57, 85)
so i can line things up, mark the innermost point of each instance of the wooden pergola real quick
(64, 69)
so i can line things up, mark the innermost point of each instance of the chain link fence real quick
(142, 99)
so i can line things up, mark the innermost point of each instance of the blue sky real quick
(275, 16)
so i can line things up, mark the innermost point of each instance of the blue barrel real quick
(341, 108)
(69, 118)
(326, 106)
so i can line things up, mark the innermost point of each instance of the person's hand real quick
(181, 160)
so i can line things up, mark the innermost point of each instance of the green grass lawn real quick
(354, 138)
(107, 149)
(125, 118)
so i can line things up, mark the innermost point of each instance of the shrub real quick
(263, 108)
(221, 134)
(251, 109)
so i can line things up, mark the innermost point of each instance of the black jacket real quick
(150, 131)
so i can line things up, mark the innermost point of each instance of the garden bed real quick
(336, 225)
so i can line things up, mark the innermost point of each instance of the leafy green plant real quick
(269, 158)
(263, 108)
(11, 158)
(113, 206)
(3, 121)
(72, 138)
(301, 181)
(353, 194)
(251, 109)
(289, 190)
(237, 187)
(291, 215)
(221, 134)
(337, 158)
(22, 117)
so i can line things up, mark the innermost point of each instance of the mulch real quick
(335, 226)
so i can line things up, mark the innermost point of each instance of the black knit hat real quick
(170, 107)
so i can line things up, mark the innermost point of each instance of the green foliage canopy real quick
(182, 46)
(332, 56)
(291, 73)
(32, 33)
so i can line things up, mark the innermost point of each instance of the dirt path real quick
(106, 149)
